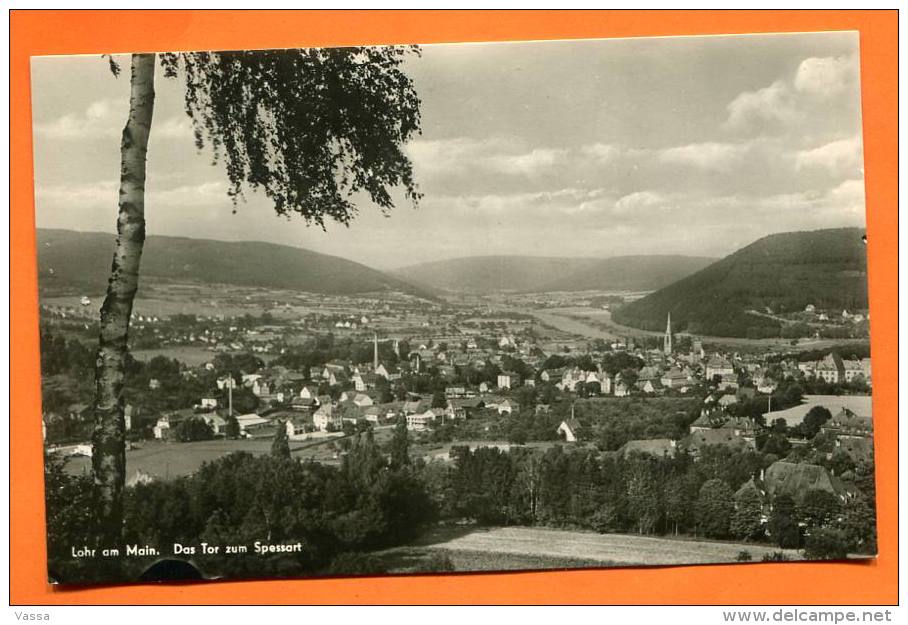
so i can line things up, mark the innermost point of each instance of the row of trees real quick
(367, 503)
(646, 495)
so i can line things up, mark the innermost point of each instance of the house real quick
(796, 480)
(365, 381)
(168, 422)
(569, 430)
(740, 426)
(551, 375)
(508, 406)
(571, 378)
(308, 392)
(727, 400)
(465, 407)
(508, 379)
(249, 422)
(656, 447)
(765, 384)
(373, 414)
(852, 369)
(845, 423)
(217, 423)
(718, 365)
(621, 390)
(728, 381)
(830, 369)
(260, 387)
(208, 403)
(424, 420)
(349, 412)
(455, 391)
(362, 400)
(708, 420)
(327, 418)
(674, 378)
(413, 407)
(645, 386)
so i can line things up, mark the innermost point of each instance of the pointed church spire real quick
(667, 345)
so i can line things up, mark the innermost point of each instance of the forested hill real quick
(629, 273)
(492, 274)
(781, 272)
(81, 260)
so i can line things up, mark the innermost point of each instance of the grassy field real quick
(170, 460)
(483, 549)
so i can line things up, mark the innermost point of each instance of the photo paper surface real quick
(451, 308)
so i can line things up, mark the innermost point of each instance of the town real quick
(472, 377)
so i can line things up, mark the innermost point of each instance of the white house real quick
(568, 430)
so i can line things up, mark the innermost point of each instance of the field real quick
(190, 354)
(486, 549)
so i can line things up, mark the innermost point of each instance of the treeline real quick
(648, 495)
(338, 514)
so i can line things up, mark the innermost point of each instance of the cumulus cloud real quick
(819, 88)
(826, 76)
(102, 118)
(708, 155)
(842, 157)
(763, 109)
(528, 163)
(633, 203)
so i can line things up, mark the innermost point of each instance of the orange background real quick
(61, 32)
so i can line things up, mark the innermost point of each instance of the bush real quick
(743, 556)
(826, 543)
(776, 556)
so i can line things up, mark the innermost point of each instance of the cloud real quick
(104, 194)
(816, 95)
(842, 157)
(500, 155)
(708, 155)
(826, 76)
(101, 193)
(634, 203)
(105, 119)
(102, 118)
(767, 108)
(172, 128)
(601, 152)
(529, 163)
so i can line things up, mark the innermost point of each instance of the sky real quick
(680, 145)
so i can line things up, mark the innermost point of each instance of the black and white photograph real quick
(447, 308)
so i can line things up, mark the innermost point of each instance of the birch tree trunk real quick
(109, 438)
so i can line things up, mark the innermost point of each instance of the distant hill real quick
(629, 273)
(782, 272)
(490, 274)
(81, 260)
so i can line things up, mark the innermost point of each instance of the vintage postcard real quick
(461, 307)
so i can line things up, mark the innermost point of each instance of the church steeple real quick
(667, 344)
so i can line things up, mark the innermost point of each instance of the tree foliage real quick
(310, 128)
